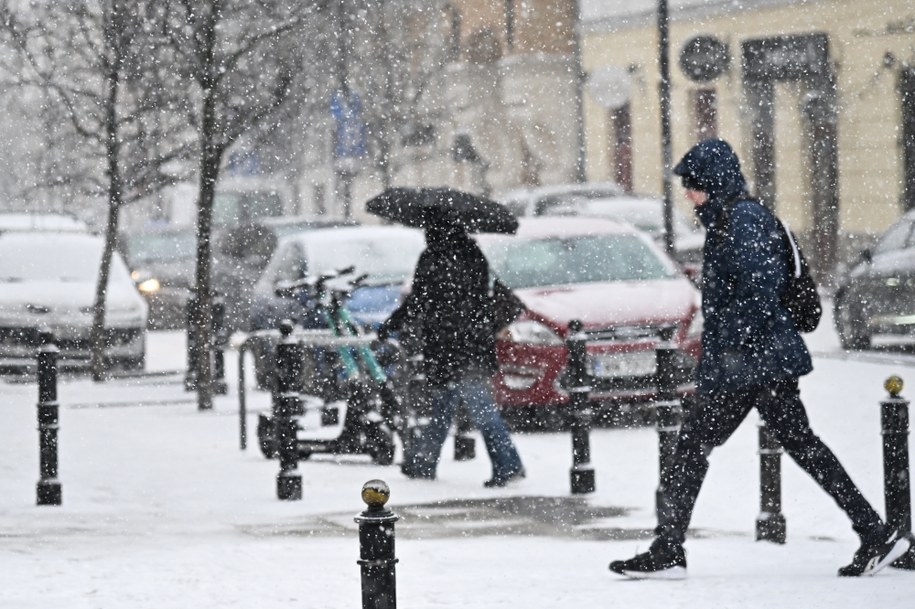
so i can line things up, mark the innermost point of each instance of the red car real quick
(621, 286)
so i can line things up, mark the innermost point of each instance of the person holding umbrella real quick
(451, 309)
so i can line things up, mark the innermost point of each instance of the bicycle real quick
(350, 374)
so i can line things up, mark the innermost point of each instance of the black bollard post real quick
(287, 402)
(190, 376)
(220, 340)
(770, 525)
(897, 490)
(49, 489)
(667, 407)
(581, 474)
(464, 445)
(376, 548)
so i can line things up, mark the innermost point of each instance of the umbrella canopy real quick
(422, 207)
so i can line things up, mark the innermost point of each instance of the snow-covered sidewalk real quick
(162, 510)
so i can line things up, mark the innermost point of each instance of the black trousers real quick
(714, 419)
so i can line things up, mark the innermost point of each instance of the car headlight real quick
(149, 286)
(531, 332)
(695, 326)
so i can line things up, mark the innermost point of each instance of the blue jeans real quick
(475, 392)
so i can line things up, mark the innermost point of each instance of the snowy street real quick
(162, 510)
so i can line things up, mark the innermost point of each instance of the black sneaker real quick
(417, 473)
(497, 481)
(657, 563)
(874, 555)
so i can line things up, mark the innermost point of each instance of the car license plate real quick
(622, 364)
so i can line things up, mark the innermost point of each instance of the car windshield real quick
(160, 247)
(528, 263)
(385, 260)
(31, 258)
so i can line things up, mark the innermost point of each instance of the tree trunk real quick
(211, 154)
(98, 342)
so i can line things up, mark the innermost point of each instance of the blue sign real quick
(349, 135)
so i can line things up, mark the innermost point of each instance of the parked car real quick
(876, 293)
(48, 282)
(646, 214)
(618, 283)
(41, 221)
(243, 253)
(537, 201)
(387, 254)
(162, 263)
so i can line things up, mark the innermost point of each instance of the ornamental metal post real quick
(190, 377)
(376, 548)
(287, 402)
(894, 423)
(581, 474)
(49, 489)
(667, 407)
(770, 525)
(220, 340)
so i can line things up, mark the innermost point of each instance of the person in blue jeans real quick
(450, 313)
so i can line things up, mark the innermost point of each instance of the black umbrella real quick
(422, 207)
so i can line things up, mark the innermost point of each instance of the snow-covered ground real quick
(162, 510)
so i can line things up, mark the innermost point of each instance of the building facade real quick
(817, 96)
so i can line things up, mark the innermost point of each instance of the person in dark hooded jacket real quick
(451, 310)
(752, 357)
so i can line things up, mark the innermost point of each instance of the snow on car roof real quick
(543, 226)
(344, 233)
(40, 221)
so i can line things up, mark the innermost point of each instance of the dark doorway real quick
(907, 99)
(801, 58)
(705, 111)
(621, 146)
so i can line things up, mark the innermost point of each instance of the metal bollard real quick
(581, 474)
(287, 402)
(190, 376)
(220, 340)
(376, 548)
(49, 491)
(464, 445)
(894, 423)
(667, 407)
(770, 525)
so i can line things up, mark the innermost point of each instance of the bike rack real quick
(309, 338)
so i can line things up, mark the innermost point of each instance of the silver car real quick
(47, 284)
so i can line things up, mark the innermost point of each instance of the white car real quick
(41, 221)
(47, 284)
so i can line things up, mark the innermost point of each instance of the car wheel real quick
(853, 334)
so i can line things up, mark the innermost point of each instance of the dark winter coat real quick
(748, 337)
(450, 308)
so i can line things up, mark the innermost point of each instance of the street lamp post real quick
(664, 95)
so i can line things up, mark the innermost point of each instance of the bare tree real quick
(98, 62)
(238, 56)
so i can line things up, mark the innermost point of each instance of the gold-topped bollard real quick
(376, 547)
(897, 490)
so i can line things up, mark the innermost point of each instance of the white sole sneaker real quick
(899, 548)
